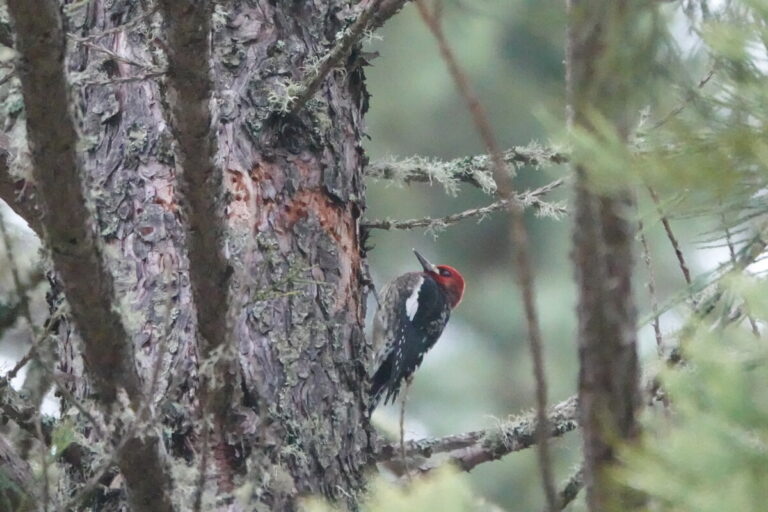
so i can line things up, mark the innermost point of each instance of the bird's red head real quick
(447, 277)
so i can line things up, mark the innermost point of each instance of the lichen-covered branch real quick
(201, 188)
(475, 170)
(470, 449)
(342, 49)
(66, 220)
(529, 199)
(387, 9)
(571, 488)
(68, 231)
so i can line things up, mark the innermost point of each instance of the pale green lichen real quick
(476, 169)
(282, 96)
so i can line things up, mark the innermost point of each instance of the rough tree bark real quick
(292, 198)
(604, 65)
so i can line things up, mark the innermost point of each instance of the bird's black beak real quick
(428, 267)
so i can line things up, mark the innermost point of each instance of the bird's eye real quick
(445, 273)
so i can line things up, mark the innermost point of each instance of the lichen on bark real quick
(293, 198)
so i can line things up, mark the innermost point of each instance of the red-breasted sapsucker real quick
(413, 311)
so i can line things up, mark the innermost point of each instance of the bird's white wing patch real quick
(412, 303)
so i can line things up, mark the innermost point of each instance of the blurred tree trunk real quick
(293, 196)
(604, 67)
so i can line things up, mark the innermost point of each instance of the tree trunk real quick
(293, 197)
(608, 50)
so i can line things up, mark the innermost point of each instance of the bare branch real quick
(531, 198)
(134, 447)
(518, 237)
(67, 222)
(349, 38)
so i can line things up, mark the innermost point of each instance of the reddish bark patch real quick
(274, 212)
(165, 196)
(225, 458)
(330, 215)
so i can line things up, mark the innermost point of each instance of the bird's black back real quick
(412, 338)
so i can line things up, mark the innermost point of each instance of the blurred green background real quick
(481, 368)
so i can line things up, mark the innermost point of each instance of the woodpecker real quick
(412, 314)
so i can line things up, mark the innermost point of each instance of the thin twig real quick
(672, 238)
(687, 101)
(518, 235)
(651, 286)
(732, 252)
(32, 353)
(350, 37)
(403, 401)
(530, 198)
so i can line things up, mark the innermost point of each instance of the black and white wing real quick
(411, 318)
